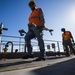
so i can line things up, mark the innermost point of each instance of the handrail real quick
(11, 36)
(20, 43)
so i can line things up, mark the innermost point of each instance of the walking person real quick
(67, 40)
(35, 28)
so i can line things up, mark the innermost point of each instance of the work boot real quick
(39, 59)
(27, 56)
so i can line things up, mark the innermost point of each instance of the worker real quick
(68, 41)
(35, 27)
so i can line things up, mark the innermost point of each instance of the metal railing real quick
(17, 43)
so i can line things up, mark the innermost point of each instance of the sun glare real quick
(72, 14)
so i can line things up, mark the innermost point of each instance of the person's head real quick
(32, 4)
(63, 29)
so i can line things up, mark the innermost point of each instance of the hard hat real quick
(62, 29)
(32, 3)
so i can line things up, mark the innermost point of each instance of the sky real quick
(57, 13)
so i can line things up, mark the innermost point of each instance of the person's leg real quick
(71, 47)
(30, 35)
(66, 49)
(37, 33)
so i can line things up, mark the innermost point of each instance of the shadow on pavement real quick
(24, 62)
(55, 57)
(14, 63)
(63, 68)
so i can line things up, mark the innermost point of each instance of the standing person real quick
(35, 26)
(68, 41)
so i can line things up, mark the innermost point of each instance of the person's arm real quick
(71, 36)
(42, 17)
(62, 40)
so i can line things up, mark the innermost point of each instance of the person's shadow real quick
(63, 68)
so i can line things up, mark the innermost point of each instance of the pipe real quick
(11, 45)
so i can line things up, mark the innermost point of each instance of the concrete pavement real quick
(52, 66)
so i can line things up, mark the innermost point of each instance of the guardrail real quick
(18, 44)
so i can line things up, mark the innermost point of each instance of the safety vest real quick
(66, 35)
(35, 17)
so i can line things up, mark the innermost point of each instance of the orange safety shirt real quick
(66, 35)
(35, 17)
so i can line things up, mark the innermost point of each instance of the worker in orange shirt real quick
(68, 41)
(35, 27)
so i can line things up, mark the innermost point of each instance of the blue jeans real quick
(30, 35)
(67, 44)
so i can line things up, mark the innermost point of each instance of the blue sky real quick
(58, 14)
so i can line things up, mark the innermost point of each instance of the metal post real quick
(19, 44)
(25, 47)
(58, 46)
(1, 29)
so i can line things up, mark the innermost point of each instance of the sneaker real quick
(39, 59)
(27, 56)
